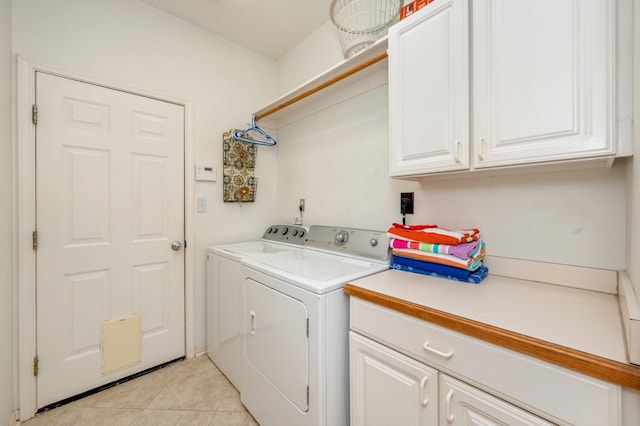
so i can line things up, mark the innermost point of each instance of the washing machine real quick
(225, 293)
(296, 322)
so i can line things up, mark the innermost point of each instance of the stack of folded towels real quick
(430, 250)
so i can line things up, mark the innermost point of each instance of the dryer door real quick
(277, 342)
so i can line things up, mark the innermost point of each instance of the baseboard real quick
(201, 350)
(14, 420)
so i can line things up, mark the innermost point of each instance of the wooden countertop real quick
(574, 328)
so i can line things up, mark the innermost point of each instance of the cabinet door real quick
(543, 80)
(388, 388)
(461, 404)
(429, 90)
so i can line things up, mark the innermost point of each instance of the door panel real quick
(110, 200)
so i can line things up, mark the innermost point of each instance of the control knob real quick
(342, 237)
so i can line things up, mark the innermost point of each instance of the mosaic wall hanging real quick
(239, 183)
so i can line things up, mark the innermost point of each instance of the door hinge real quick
(307, 328)
(185, 243)
(307, 396)
(34, 114)
(34, 239)
(35, 366)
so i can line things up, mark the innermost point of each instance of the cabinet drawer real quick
(552, 392)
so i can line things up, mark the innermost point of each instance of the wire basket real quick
(362, 22)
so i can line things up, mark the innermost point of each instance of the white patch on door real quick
(121, 343)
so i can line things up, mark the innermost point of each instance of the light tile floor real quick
(189, 392)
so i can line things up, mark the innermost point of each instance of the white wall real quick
(633, 183)
(133, 43)
(315, 54)
(318, 156)
(7, 310)
(337, 161)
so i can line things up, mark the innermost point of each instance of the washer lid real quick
(252, 248)
(313, 270)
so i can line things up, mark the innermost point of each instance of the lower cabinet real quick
(390, 388)
(461, 404)
(407, 371)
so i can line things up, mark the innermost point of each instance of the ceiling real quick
(270, 27)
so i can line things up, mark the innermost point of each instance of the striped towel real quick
(435, 235)
(471, 264)
(463, 251)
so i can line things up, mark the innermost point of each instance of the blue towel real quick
(439, 268)
(441, 271)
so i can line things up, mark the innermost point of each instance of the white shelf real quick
(364, 71)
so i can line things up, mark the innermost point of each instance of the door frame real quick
(26, 215)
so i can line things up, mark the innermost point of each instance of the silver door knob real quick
(176, 245)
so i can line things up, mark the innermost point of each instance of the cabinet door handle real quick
(445, 355)
(253, 323)
(423, 398)
(450, 416)
(458, 151)
(481, 149)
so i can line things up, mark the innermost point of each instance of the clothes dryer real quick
(296, 323)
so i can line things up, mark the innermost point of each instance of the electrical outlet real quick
(406, 203)
(301, 204)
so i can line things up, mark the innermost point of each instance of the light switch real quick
(202, 205)
(205, 172)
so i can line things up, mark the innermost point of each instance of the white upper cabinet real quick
(539, 84)
(429, 90)
(543, 80)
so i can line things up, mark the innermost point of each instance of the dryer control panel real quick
(350, 241)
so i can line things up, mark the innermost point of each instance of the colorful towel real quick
(412, 227)
(441, 271)
(462, 251)
(470, 264)
(435, 235)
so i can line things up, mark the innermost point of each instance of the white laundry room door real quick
(110, 230)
